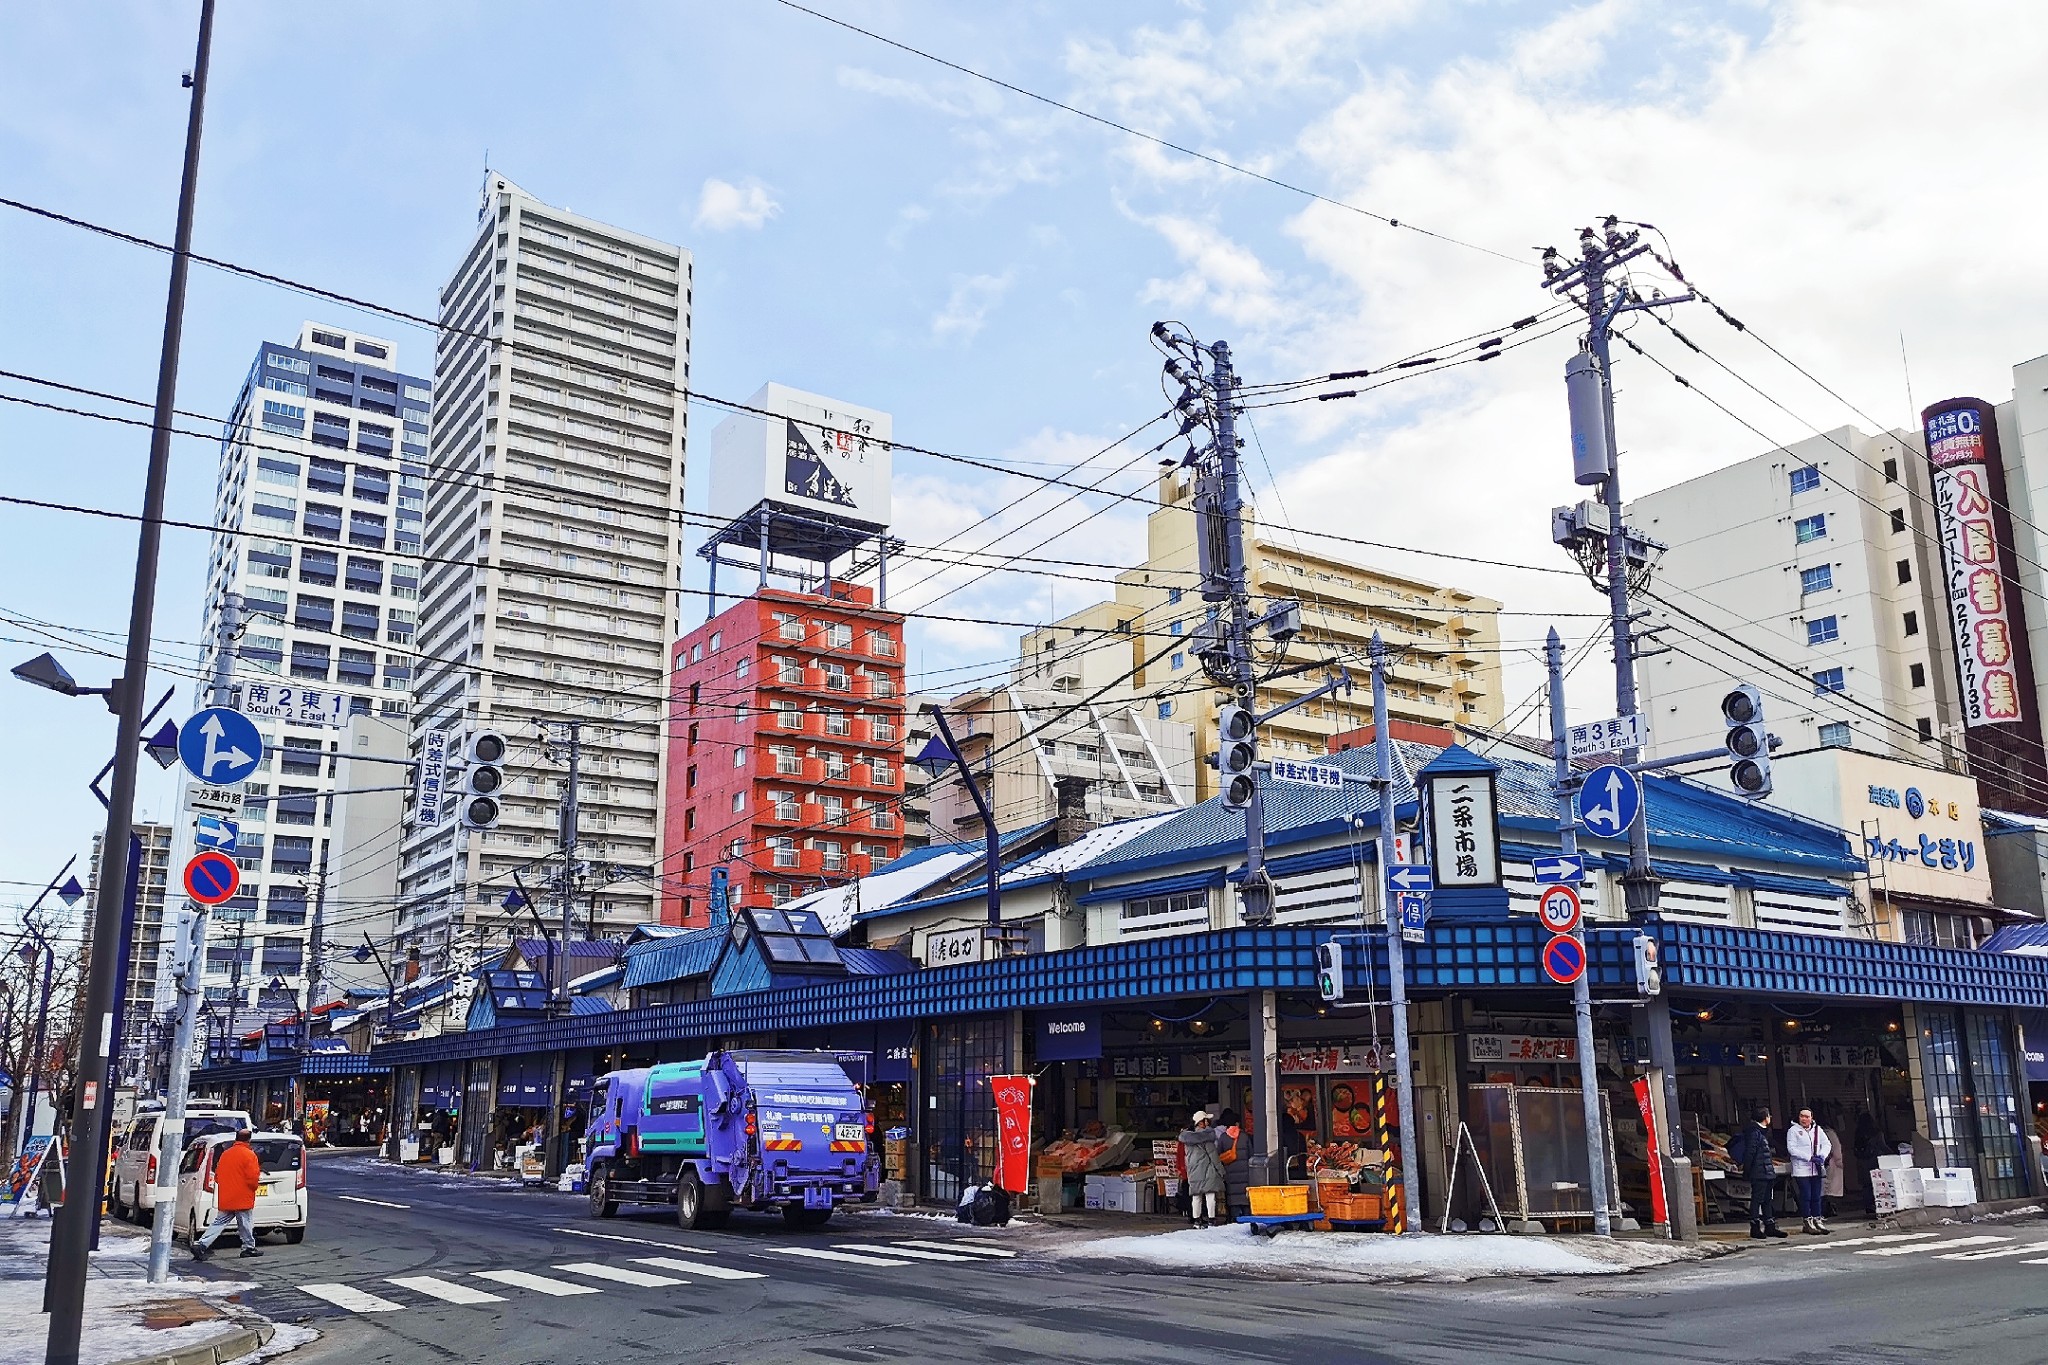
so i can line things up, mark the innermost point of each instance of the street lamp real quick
(44, 671)
(940, 753)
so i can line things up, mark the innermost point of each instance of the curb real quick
(220, 1350)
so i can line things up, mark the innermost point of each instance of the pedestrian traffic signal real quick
(1649, 977)
(483, 780)
(1236, 752)
(1748, 742)
(1330, 969)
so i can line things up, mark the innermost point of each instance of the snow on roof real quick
(897, 881)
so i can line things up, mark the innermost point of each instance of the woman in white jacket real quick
(1806, 1143)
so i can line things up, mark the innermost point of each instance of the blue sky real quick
(874, 227)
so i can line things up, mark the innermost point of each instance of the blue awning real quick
(1797, 886)
(1158, 886)
(1704, 874)
(1317, 860)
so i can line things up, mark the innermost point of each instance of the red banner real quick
(1658, 1212)
(1013, 1132)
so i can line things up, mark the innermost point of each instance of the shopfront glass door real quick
(959, 1118)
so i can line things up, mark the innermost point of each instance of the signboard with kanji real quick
(1464, 830)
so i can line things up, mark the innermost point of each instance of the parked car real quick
(134, 1181)
(281, 1201)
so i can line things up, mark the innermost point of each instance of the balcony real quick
(882, 732)
(791, 721)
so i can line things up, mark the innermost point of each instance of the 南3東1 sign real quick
(1607, 736)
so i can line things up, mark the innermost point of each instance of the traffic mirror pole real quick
(75, 1220)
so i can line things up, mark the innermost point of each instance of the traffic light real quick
(483, 780)
(1649, 978)
(1330, 969)
(1235, 754)
(1748, 742)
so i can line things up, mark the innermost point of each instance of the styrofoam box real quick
(1911, 1199)
(1894, 1163)
(1092, 1196)
(1909, 1178)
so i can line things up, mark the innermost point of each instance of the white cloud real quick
(967, 307)
(1223, 277)
(722, 206)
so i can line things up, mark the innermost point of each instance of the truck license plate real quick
(850, 1132)
(817, 1197)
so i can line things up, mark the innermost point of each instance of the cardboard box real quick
(1884, 1191)
(1894, 1163)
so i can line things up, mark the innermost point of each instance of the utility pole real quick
(1582, 991)
(1397, 953)
(78, 1217)
(568, 841)
(188, 976)
(315, 943)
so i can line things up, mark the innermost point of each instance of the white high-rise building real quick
(321, 487)
(555, 547)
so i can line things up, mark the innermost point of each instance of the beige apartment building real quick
(1446, 642)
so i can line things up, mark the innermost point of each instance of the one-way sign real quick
(210, 831)
(1562, 869)
(1411, 877)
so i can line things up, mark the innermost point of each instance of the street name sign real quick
(299, 705)
(1607, 736)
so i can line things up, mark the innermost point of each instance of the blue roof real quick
(2018, 938)
(1683, 816)
(674, 959)
(875, 961)
(584, 1006)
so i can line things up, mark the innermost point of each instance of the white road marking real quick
(636, 1241)
(915, 1253)
(1991, 1255)
(540, 1284)
(977, 1248)
(820, 1254)
(354, 1300)
(703, 1269)
(618, 1274)
(1933, 1246)
(380, 1203)
(445, 1290)
(1867, 1241)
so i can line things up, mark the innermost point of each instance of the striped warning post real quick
(1396, 1208)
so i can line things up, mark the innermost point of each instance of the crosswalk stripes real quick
(698, 1269)
(966, 1244)
(851, 1257)
(445, 1290)
(915, 1253)
(1863, 1241)
(353, 1299)
(637, 1241)
(1917, 1247)
(1993, 1254)
(618, 1274)
(540, 1284)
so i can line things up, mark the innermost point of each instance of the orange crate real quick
(1353, 1208)
(1274, 1200)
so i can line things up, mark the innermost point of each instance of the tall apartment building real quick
(322, 489)
(146, 946)
(1446, 665)
(785, 748)
(1128, 764)
(554, 520)
(1823, 555)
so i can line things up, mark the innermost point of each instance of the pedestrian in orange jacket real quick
(236, 1173)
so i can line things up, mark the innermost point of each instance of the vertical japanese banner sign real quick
(1013, 1132)
(1968, 493)
(1659, 1212)
(432, 778)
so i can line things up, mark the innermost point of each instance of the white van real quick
(281, 1202)
(134, 1183)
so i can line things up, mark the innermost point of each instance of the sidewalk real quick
(127, 1319)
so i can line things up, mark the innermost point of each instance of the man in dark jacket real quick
(1752, 1150)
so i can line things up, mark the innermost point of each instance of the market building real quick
(1120, 972)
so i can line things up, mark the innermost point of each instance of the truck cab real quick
(754, 1129)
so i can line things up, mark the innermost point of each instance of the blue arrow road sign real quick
(1411, 876)
(1609, 801)
(220, 746)
(210, 831)
(1563, 869)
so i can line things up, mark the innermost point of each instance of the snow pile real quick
(1353, 1257)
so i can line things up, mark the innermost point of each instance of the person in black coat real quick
(1752, 1150)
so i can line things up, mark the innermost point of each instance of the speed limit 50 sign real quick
(1558, 909)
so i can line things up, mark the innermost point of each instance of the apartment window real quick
(883, 645)
(1835, 735)
(358, 666)
(1898, 520)
(835, 767)
(1822, 630)
(690, 778)
(788, 627)
(1179, 660)
(788, 670)
(1891, 471)
(1805, 479)
(839, 636)
(783, 847)
(1828, 680)
(739, 802)
(365, 574)
(1165, 710)
(832, 854)
(285, 362)
(881, 731)
(834, 808)
(1905, 570)
(717, 639)
(837, 679)
(837, 723)
(359, 620)
(1911, 623)
(1917, 674)
(741, 669)
(1175, 627)
(1811, 528)
(1820, 578)
(787, 717)
(333, 341)
(1172, 596)
(288, 418)
(1925, 725)
(697, 654)
(367, 529)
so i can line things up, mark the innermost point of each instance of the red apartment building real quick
(785, 749)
